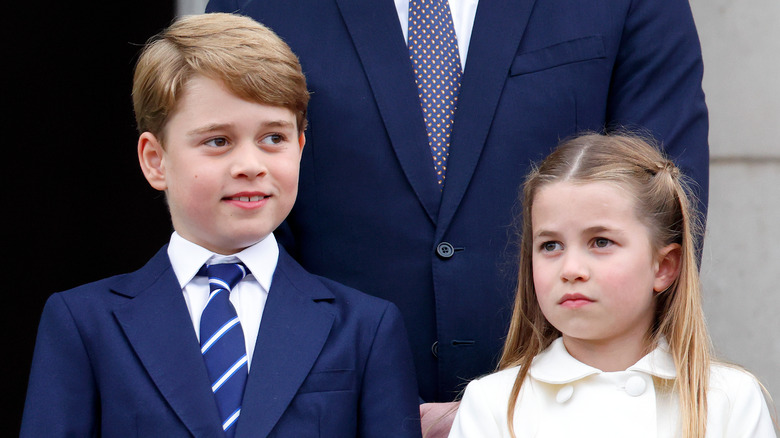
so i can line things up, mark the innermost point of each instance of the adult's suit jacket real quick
(120, 358)
(369, 213)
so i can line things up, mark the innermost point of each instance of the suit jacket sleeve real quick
(656, 85)
(388, 400)
(61, 396)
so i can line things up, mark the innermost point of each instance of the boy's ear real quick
(668, 267)
(150, 156)
(301, 140)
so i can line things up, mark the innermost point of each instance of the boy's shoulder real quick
(120, 285)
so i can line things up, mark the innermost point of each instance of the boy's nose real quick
(248, 162)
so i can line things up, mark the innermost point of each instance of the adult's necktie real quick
(433, 49)
(222, 342)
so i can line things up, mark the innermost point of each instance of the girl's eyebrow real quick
(596, 229)
(547, 234)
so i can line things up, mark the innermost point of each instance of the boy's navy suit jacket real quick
(119, 357)
(369, 213)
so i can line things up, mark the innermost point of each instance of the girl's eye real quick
(551, 246)
(217, 142)
(601, 242)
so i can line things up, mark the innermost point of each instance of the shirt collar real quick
(556, 366)
(187, 258)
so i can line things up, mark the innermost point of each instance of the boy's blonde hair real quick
(247, 57)
(664, 204)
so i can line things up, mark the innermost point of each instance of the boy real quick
(220, 102)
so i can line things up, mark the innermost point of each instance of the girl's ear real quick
(667, 267)
(151, 158)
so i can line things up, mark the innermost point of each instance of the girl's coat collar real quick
(556, 366)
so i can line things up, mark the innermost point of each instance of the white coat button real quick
(635, 386)
(564, 394)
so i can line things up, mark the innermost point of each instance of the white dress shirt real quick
(563, 397)
(249, 295)
(463, 13)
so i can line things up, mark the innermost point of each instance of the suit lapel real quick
(498, 28)
(378, 39)
(292, 334)
(159, 328)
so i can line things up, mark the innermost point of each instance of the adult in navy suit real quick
(127, 355)
(369, 212)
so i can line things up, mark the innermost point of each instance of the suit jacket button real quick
(445, 250)
(435, 349)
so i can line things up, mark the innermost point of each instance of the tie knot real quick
(224, 275)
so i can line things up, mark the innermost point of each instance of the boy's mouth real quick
(247, 198)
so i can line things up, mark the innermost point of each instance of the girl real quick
(608, 338)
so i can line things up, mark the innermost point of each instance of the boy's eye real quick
(273, 139)
(551, 246)
(601, 242)
(217, 142)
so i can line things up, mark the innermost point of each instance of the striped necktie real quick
(222, 342)
(433, 49)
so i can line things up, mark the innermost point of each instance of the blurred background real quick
(81, 210)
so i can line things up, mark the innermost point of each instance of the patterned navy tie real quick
(222, 342)
(433, 49)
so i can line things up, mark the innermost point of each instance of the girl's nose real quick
(574, 267)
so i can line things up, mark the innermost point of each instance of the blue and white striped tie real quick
(222, 342)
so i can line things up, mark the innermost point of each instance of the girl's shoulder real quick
(736, 399)
(729, 377)
(734, 384)
(496, 381)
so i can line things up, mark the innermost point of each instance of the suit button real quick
(564, 394)
(635, 386)
(435, 349)
(445, 250)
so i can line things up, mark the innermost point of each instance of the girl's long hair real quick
(664, 203)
